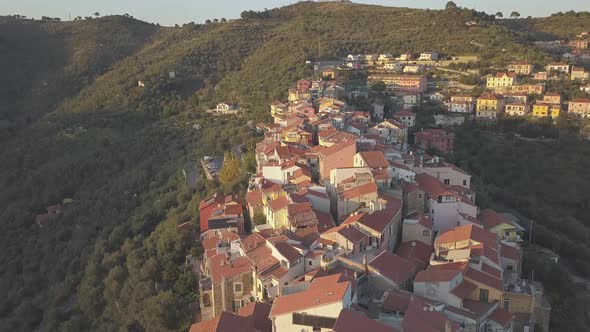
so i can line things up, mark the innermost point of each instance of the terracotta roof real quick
(348, 232)
(352, 321)
(227, 321)
(252, 241)
(502, 317)
(397, 300)
(321, 291)
(509, 252)
(491, 271)
(416, 252)
(258, 312)
(301, 215)
(393, 267)
(484, 278)
(431, 185)
(580, 100)
(463, 289)
(288, 251)
(468, 232)
(279, 203)
(419, 318)
(325, 221)
(374, 159)
(365, 189)
(436, 275)
(221, 266)
(254, 198)
(233, 209)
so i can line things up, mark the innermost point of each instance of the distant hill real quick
(75, 124)
(557, 26)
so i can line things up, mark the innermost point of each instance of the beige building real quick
(516, 109)
(579, 73)
(489, 106)
(580, 107)
(313, 309)
(521, 68)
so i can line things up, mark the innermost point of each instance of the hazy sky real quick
(170, 12)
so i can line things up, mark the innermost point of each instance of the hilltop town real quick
(354, 219)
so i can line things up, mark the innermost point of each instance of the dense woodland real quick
(75, 125)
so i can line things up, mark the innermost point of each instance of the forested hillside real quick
(74, 124)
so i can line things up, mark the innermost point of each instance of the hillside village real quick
(357, 220)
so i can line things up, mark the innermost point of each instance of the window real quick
(419, 195)
(447, 181)
(426, 233)
(310, 262)
(506, 233)
(483, 295)
(238, 304)
(509, 267)
(506, 304)
(317, 329)
(237, 287)
(464, 182)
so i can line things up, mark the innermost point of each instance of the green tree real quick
(378, 86)
(259, 219)
(451, 5)
(96, 14)
(499, 15)
(515, 14)
(230, 171)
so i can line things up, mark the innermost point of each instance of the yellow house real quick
(543, 110)
(506, 229)
(276, 212)
(489, 105)
(501, 80)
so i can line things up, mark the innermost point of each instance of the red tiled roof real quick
(490, 219)
(374, 159)
(417, 252)
(491, 270)
(350, 233)
(258, 312)
(254, 198)
(397, 300)
(417, 319)
(393, 267)
(352, 321)
(436, 275)
(252, 241)
(321, 291)
(502, 317)
(365, 189)
(233, 209)
(431, 185)
(463, 289)
(509, 252)
(325, 221)
(468, 232)
(227, 321)
(279, 203)
(484, 278)
(288, 251)
(221, 266)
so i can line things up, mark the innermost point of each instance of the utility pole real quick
(531, 232)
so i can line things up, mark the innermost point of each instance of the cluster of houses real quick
(354, 229)
(507, 94)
